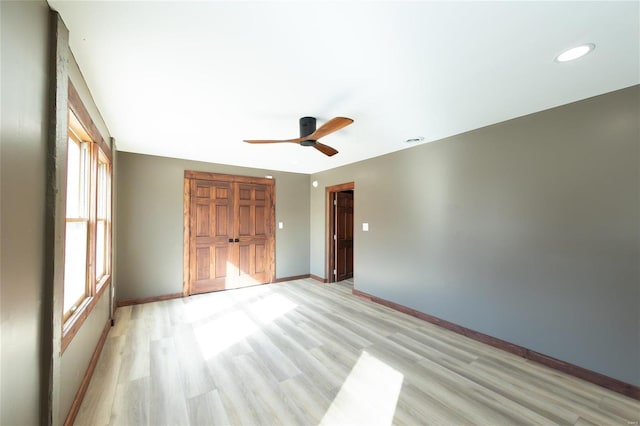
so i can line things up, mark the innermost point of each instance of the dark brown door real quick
(344, 235)
(230, 235)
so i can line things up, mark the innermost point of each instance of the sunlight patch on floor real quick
(218, 334)
(368, 396)
(201, 307)
(271, 307)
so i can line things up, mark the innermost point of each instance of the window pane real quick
(77, 179)
(101, 249)
(75, 268)
(76, 239)
(73, 179)
(102, 191)
(102, 218)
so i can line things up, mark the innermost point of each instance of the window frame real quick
(103, 279)
(84, 207)
(97, 150)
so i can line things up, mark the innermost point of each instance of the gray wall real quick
(527, 230)
(76, 357)
(150, 222)
(24, 298)
(23, 182)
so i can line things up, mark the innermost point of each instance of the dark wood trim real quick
(293, 278)
(73, 324)
(610, 383)
(329, 223)
(272, 230)
(78, 108)
(75, 406)
(127, 302)
(330, 195)
(186, 215)
(192, 174)
(112, 191)
(317, 278)
(112, 178)
(342, 187)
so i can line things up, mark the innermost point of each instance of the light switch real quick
(280, 225)
(365, 227)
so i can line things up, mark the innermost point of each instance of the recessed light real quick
(575, 52)
(415, 140)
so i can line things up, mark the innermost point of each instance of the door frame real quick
(330, 227)
(190, 175)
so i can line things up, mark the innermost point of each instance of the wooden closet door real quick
(230, 232)
(253, 225)
(211, 242)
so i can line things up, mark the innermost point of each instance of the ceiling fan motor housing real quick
(307, 126)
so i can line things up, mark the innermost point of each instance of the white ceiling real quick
(193, 79)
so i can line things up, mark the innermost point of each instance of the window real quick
(87, 247)
(76, 250)
(103, 222)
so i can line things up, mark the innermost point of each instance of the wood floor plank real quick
(167, 394)
(292, 353)
(237, 402)
(131, 405)
(336, 358)
(322, 375)
(583, 422)
(98, 400)
(625, 408)
(335, 330)
(303, 339)
(369, 394)
(263, 386)
(575, 399)
(522, 394)
(416, 408)
(303, 393)
(194, 373)
(135, 353)
(207, 409)
(472, 401)
(433, 348)
(157, 320)
(122, 319)
(280, 365)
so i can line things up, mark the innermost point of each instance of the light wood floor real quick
(303, 353)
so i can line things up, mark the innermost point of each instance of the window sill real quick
(73, 324)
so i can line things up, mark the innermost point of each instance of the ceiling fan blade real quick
(325, 149)
(330, 126)
(296, 140)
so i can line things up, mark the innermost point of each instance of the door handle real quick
(237, 240)
(230, 240)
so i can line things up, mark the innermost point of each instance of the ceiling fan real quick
(309, 135)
